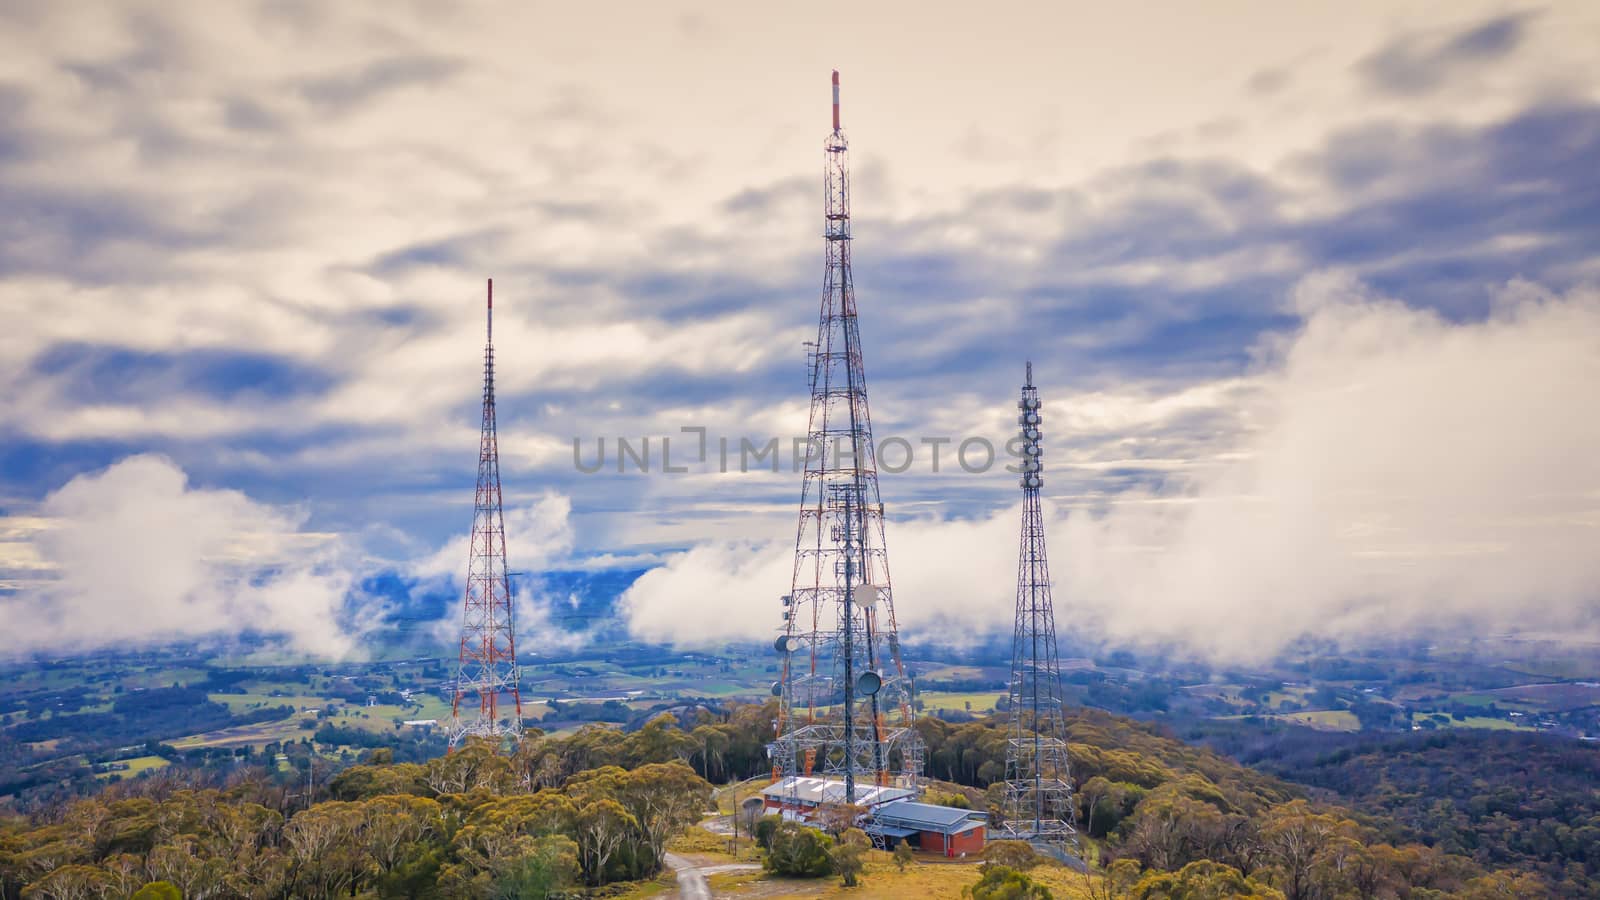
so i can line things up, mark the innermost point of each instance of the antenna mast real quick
(844, 697)
(487, 665)
(1038, 793)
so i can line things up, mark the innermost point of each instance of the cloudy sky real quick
(1310, 289)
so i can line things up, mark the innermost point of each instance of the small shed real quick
(934, 829)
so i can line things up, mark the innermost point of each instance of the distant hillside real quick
(596, 806)
(1503, 798)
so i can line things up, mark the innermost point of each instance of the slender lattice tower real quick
(1038, 793)
(845, 701)
(488, 661)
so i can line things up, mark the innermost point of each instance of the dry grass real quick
(702, 844)
(930, 878)
(642, 889)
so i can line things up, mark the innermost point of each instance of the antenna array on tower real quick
(1037, 803)
(844, 696)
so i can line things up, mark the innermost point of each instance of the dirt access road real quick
(692, 875)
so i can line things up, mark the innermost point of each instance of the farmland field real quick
(1324, 719)
(135, 766)
(981, 701)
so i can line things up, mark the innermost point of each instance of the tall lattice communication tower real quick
(844, 697)
(488, 661)
(1038, 804)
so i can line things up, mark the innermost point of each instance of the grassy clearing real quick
(982, 701)
(1554, 697)
(1324, 719)
(640, 890)
(735, 883)
(954, 673)
(239, 703)
(135, 766)
(930, 878)
(707, 846)
(1487, 722)
(161, 677)
(240, 735)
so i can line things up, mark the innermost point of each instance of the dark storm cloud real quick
(1416, 64)
(344, 90)
(1267, 82)
(15, 141)
(451, 252)
(109, 374)
(247, 114)
(766, 200)
(1437, 214)
(1443, 196)
(155, 46)
(62, 230)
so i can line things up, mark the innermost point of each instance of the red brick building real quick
(933, 829)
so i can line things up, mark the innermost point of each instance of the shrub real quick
(1002, 883)
(903, 856)
(848, 856)
(799, 852)
(766, 827)
(1011, 854)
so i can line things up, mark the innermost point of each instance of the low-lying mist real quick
(1401, 473)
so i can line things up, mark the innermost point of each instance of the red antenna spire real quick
(836, 101)
(487, 665)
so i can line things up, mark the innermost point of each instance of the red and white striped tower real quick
(488, 661)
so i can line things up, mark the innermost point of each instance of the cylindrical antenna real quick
(836, 101)
(491, 311)
(1030, 373)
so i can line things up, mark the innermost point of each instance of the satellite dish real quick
(777, 689)
(869, 683)
(786, 644)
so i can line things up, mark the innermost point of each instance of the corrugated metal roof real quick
(926, 816)
(888, 830)
(827, 790)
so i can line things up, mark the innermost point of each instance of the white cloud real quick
(710, 594)
(135, 554)
(536, 534)
(1405, 473)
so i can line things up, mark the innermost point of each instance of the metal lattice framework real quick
(845, 700)
(488, 661)
(1038, 805)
